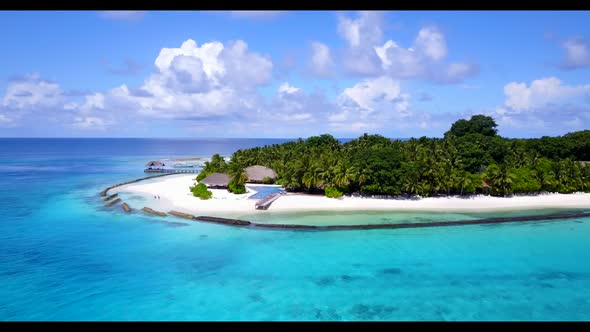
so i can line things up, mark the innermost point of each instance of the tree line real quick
(469, 157)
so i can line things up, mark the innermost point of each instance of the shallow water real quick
(63, 256)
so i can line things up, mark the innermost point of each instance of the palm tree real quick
(500, 177)
(411, 186)
(463, 180)
(311, 178)
(239, 176)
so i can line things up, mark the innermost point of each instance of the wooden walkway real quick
(147, 170)
(266, 201)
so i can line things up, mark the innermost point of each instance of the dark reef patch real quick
(391, 270)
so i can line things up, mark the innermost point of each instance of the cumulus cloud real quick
(423, 59)
(370, 105)
(32, 91)
(431, 43)
(31, 97)
(542, 92)
(361, 34)
(321, 59)
(577, 53)
(372, 94)
(546, 105)
(125, 15)
(199, 81)
(367, 54)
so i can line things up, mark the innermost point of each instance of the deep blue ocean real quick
(65, 257)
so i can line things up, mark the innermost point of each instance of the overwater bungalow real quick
(154, 166)
(216, 181)
(257, 173)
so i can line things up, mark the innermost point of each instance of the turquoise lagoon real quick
(63, 256)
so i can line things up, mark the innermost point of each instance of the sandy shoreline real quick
(175, 195)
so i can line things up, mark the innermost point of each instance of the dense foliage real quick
(200, 190)
(237, 188)
(217, 164)
(332, 192)
(470, 153)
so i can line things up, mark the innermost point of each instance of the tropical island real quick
(470, 168)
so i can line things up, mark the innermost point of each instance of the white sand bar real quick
(175, 195)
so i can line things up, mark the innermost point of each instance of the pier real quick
(171, 171)
(265, 202)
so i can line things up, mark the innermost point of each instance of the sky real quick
(290, 74)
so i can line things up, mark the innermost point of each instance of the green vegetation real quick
(237, 188)
(216, 165)
(470, 153)
(267, 180)
(332, 192)
(201, 191)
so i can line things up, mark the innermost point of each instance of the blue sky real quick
(291, 74)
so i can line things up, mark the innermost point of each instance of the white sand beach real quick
(175, 195)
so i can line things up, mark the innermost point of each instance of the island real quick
(471, 168)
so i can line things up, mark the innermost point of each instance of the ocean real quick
(65, 257)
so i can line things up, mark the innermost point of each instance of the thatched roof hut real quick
(219, 180)
(256, 173)
(155, 164)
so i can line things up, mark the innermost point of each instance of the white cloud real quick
(361, 34)
(297, 117)
(367, 54)
(577, 53)
(431, 43)
(371, 93)
(31, 91)
(31, 98)
(200, 81)
(90, 123)
(339, 117)
(321, 59)
(423, 59)
(366, 29)
(122, 14)
(546, 106)
(285, 88)
(369, 105)
(541, 92)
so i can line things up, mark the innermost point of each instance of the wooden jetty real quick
(172, 171)
(266, 201)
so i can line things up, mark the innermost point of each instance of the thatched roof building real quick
(216, 180)
(256, 173)
(155, 164)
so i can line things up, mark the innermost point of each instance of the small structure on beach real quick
(216, 181)
(257, 173)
